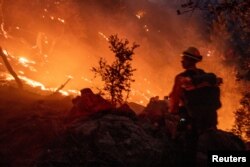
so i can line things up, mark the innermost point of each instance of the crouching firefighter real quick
(195, 95)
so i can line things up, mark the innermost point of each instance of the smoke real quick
(68, 38)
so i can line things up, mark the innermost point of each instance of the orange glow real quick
(146, 28)
(36, 84)
(25, 61)
(7, 77)
(33, 83)
(104, 36)
(65, 93)
(5, 34)
(52, 17)
(61, 20)
(140, 14)
(5, 52)
(64, 44)
(21, 72)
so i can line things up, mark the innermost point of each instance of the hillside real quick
(42, 131)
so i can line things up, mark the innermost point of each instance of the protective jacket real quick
(197, 93)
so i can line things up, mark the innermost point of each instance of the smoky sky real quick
(67, 37)
(160, 32)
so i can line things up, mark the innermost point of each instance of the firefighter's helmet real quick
(193, 53)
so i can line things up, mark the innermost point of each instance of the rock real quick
(155, 111)
(216, 140)
(136, 107)
(107, 138)
(248, 146)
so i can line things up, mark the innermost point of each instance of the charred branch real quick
(62, 86)
(10, 69)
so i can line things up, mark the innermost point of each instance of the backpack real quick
(205, 92)
(201, 97)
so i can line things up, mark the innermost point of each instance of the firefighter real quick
(195, 95)
(190, 58)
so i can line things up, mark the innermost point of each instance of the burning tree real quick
(117, 77)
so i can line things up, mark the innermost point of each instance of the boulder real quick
(216, 140)
(155, 110)
(106, 138)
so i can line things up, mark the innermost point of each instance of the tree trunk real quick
(10, 69)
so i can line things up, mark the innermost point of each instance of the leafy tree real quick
(117, 76)
(242, 121)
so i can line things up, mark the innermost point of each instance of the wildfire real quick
(36, 84)
(61, 20)
(51, 41)
(5, 52)
(104, 36)
(209, 53)
(53, 18)
(21, 72)
(65, 93)
(140, 14)
(26, 63)
(87, 80)
(137, 93)
(5, 34)
(146, 28)
(73, 91)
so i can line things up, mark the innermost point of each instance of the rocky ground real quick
(49, 131)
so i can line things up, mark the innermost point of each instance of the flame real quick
(64, 93)
(210, 53)
(146, 28)
(34, 83)
(59, 45)
(104, 36)
(140, 14)
(61, 20)
(5, 52)
(5, 34)
(141, 102)
(73, 91)
(44, 88)
(26, 63)
(52, 17)
(69, 76)
(21, 72)
(140, 96)
(7, 77)
(87, 80)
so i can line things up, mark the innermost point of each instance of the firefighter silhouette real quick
(195, 95)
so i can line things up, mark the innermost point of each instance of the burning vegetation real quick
(49, 51)
(46, 45)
